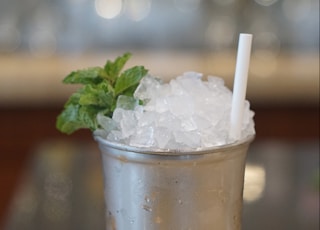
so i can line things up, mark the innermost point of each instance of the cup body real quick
(173, 190)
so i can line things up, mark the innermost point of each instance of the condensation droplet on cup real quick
(147, 208)
(147, 199)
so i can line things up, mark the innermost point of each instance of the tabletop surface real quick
(63, 188)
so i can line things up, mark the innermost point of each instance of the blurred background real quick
(41, 41)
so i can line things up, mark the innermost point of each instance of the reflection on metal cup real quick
(173, 190)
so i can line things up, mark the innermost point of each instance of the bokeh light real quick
(254, 182)
(108, 8)
(137, 10)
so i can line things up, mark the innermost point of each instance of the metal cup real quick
(173, 190)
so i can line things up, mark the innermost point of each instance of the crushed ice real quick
(186, 113)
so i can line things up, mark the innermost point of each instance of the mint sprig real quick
(99, 93)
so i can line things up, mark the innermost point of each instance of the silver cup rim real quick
(147, 150)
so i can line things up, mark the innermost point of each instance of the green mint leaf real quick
(74, 98)
(88, 115)
(86, 76)
(69, 121)
(113, 69)
(129, 91)
(99, 95)
(75, 117)
(129, 78)
(102, 87)
(83, 106)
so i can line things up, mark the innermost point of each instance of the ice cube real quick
(147, 119)
(201, 123)
(191, 139)
(128, 123)
(126, 102)
(117, 115)
(215, 82)
(192, 75)
(216, 137)
(181, 105)
(176, 88)
(106, 123)
(115, 136)
(143, 137)
(168, 120)
(188, 123)
(162, 136)
(100, 132)
(191, 82)
(126, 120)
(248, 123)
(138, 112)
(147, 87)
(161, 104)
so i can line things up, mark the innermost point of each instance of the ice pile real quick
(186, 113)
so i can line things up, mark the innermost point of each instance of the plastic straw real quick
(240, 85)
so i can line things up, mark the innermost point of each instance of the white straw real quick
(240, 85)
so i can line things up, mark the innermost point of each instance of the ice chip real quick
(181, 105)
(188, 123)
(248, 124)
(126, 118)
(214, 137)
(147, 119)
(168, 120)
(127, 121)
(115, 136)
(144, 137)
(106, 123)
(138, 112)
(162, 136)
(117, 115)
(161, 104)
(201, 123)
(189, 139)
(191, 82)
(176, 88)
(100, 132)
(215, 82)
(146, 88)
(126, 102)
(192, 75)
